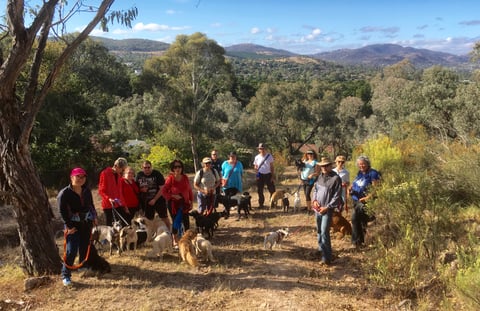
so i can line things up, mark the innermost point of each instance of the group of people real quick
(326, 189)
(125, 193)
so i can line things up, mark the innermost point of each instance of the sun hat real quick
(207, 160)
(78, 171)
(309, 151)
(325, 161)
(340, 158)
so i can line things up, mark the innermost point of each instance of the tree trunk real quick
(193, 143)
(24, 190)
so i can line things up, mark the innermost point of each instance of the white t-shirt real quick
(265, 168)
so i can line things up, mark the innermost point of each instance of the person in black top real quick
(78, 213)
(217, 165)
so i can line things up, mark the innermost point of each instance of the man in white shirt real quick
(263, 164)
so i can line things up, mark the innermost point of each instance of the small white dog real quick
(203, 248)
(161, 243)
(275, 238)
(296, 201)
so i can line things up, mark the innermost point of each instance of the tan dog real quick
(340, 224)
(277, 196)
(161, 243)
(151, 226)
(186, 248)
(128, 236)
(203, 248)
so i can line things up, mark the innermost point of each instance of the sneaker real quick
(67, 282)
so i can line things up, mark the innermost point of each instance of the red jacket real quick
(110, 187)
(181, 187)
(130, 192)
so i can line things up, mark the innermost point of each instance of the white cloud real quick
(170, 12)
(255, 30)
(156, 27)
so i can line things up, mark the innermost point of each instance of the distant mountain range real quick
(378, 55)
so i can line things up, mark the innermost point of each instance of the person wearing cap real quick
(361, 191)
(75, 203)
(327, 195)
(263, 164)
(110, 189)
(308, 175)
(345, 176)
(206, 180)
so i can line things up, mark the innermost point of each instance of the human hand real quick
(70, 230)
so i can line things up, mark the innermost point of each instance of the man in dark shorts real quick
(150, 182)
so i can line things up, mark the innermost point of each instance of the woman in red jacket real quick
(178, 193)
(130, 192)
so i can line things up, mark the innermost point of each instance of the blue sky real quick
(305, 26)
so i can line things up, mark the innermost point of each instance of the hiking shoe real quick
(67, 282)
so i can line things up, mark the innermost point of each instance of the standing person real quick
(110, 189)
(130, 193)
(327, 194)
(205, 182)
(361, 191)
(150, 182)
(216, 165)
(308, 175)
(78, 213)
(345, 176)
(263, 164)
(178, 192)
(232, 172)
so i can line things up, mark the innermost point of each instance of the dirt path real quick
(246, 277)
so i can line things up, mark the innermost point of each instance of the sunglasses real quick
(147, 167)
(177, 166)
(214, 154)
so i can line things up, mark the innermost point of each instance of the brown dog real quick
(277, 196)
(187, 249)
(340, 224)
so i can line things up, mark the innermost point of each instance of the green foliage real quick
(384, 156)
(468, 285)
(161, 157)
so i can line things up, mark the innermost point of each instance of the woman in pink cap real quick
(78, 213)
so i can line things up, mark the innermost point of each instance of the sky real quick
(304, 26)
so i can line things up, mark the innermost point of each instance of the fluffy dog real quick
(285, 204)
(204, 224)
(245, 204)
(203, 248)
(275, 238)
(151, 226)
(296, 201)
(109, 233)
(276, 196)
(161, 243)
(340, 224)
(186, 248)
(96, 262)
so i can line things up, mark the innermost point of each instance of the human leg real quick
(202, 202)
(308, 195)
(270, 184)
(162, 211)
(358, 216)
(260, 186)
(323, 235)
(108, 216)
(71, 250)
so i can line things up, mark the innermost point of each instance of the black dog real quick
(285, 204)
(228, 201)
(244, 204)
(96, 262)
(215, 217)
(203, 223)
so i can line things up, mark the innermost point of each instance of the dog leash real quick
(117, 213)
(78, 266)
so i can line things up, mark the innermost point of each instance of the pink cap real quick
(78, 171)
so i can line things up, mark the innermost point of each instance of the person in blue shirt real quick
(361, 192)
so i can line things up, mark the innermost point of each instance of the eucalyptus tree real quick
(194, 70)
(24, 84)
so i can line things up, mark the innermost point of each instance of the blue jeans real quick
(205, 202)
(76, 243)
(323, 234)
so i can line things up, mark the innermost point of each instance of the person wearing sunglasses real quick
(150, 182)
(345, 176)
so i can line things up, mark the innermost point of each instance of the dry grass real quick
(246, 277)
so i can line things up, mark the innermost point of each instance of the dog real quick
(340, 224)
(245, 204)
(228, 201)
(109, 233)
(186, 248)
(285, 204)
(97, 263)
(151, 226)
(215, 217)
(161, 243)
(203, 248)
(129, 236)
(275, 197)
(296, 201)
(204, 224)
(275, 238)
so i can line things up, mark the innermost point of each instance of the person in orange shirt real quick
(110, 189)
